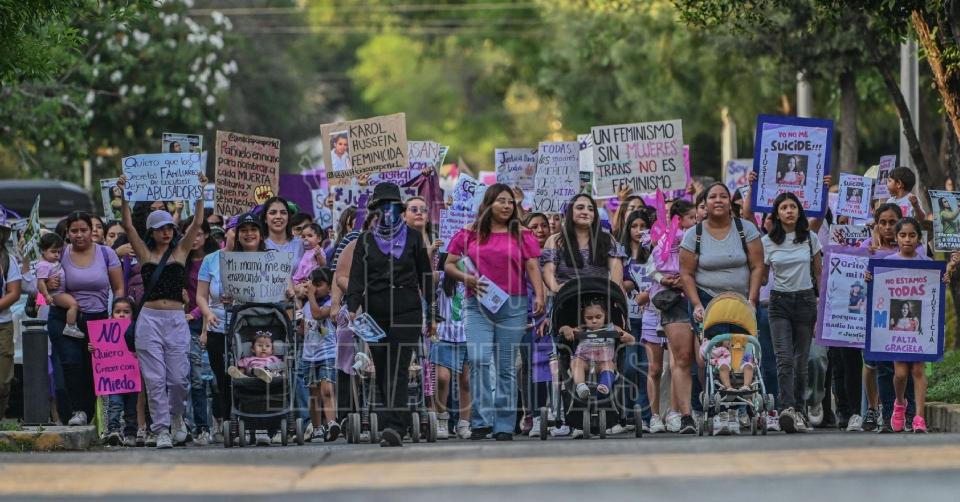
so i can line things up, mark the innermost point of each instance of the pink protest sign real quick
(115, 369)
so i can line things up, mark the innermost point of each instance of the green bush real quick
(944, 381)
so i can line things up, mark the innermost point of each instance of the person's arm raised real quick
(126, 219)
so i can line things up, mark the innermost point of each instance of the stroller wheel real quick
(284, 436)
(602, 424)
(763, 424)
(432, 425)
(544, 418)
(707, 426)
(638, 420)
(298, 431)
(374, 429)
(227, 437)
(241, 434)
(415, 429)
(355, 427)
(754, 425)
(587, 426)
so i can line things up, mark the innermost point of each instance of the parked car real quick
(57, 198)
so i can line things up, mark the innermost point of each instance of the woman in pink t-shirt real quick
(503, 255)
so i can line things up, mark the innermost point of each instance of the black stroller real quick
(586, 414)
(257, 405)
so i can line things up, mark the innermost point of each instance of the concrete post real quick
(910, 87)
(804, 97)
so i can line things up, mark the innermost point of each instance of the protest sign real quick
(163, 176)
(848, 235)
(260, 277)
(451, 222)
(467, 194)
(841, 308)
(516, 167)
(30, 233)
(644, 156)
(318, 199)
(345, 196)
(791, 154)
(181, 143)
(887, 163)
(247, 171)
(905, 311)
(736, 173)
(364, 147)
(854, 196)
(209, 191)
(422, 156)
(945, 207)
(681, 193)
(557, 179)
(110, 197)
(115, 369)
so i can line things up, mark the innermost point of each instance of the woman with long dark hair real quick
(635, 239)
(581, 248)
(792, 252)
(502, 253)
(275, 220)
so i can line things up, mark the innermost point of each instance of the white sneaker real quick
(744, 419)
(277, 438)
(563, 430)
(773, 421)
(202, 439)
(855, 424)
(535, 430)
(365, 437)
(616, 429)
(308, 432)
(164, 441)
(577, 433)
(733, 425)
(263, 439)
(815, 413)
(463, 429)
(583, 391)
(180, 435)
(443, 429)
(78, 418)
(656, 425)
(720, 421)
(673, 421)
(152, 439)
(73, 332)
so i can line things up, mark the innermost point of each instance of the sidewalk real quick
(943, 417)
(48, 438)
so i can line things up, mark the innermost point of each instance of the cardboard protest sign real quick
(945, 207)
(421, 155)
(791, 154)
(115, 369)
(318, 198)
(558, 176)
(644, 156)
(848, 235)
(905, 311)
(854, 196)
(681, 193)
(181, 143)
(887, 163)
(841, 308)
(516, 167)
(163, 176)
(364, 147)
(451, 222)
(260, 277)
(247, 172)
(467, 194)
(736, 173)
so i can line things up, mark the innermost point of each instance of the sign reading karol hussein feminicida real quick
(366, 146)
(247, 171)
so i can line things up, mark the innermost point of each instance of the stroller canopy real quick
(731, 309)
(567, 304)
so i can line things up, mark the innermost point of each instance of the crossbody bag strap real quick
(743, 238)
(699, 236)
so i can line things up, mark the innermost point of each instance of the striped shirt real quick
(347, 239)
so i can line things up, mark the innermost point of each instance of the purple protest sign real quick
(115, 369)
(841, 309)
(905, 311)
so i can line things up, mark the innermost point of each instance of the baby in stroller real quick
(599, 351)
(262, 364)
(721, 358)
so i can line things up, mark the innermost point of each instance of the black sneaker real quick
(870, 420)
(390, 438)
(788, 421)
(480, 433)
(333, 431)
(503, 436)
(885, 429)
(687, 425)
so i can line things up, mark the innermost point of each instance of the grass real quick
(944, 381)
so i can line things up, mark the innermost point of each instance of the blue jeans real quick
(301, 397)
(493, 341)
(72, 368)
(122, 413)
(198, 386)
(768, 357)
(635, 374)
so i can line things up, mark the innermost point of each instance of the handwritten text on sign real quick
(115, 369)
(421, 156)
(364, 146)
(905, 305)
(516, 167)
(646, 157)
(843, 298)
(163, 176)
(451, 222)
(791, 155)
(247, 171)
(558, 177)
(260, 277)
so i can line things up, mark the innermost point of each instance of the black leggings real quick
(848, 378)
(216, 350)
(391, 358)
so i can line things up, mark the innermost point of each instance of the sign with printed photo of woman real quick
(854, 198)
(945, 207)
(791, 154)
(843, 298)
(905, 313)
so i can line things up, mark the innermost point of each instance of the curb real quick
(48, 439)
(943, 417)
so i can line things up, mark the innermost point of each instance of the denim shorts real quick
(450, 355)
(318, 371)
(678, 313)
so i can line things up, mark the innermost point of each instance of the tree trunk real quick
(947, 82)
(849, 142)
(909, 128)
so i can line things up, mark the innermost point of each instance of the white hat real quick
(159, 219)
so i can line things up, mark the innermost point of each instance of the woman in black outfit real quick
(391, 279)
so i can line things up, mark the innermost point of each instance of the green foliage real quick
(944, 383)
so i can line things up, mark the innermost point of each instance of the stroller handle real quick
(600, 334)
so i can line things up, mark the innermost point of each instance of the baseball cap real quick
(159, 219)
(247, 219)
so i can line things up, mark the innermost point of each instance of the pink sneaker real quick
(898, 420)
(919, 425)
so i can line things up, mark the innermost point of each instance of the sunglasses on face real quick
(417, 210)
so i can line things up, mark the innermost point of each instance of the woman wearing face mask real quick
(275, 218)
(391, 278)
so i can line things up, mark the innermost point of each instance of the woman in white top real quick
(792, 251)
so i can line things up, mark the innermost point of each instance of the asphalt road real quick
(816, 466)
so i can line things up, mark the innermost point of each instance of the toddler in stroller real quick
(262, 364)
(597, 350)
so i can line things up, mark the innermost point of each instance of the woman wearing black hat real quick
(391, 278)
